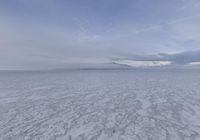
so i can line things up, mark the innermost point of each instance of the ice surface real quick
(100, 105)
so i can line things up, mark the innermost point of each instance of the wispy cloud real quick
(80, 31)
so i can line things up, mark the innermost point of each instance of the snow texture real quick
(100, 105)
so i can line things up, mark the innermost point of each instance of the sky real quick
(46, 34)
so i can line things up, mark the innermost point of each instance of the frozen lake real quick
(100, 105)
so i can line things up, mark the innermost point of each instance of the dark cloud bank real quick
(177, 58)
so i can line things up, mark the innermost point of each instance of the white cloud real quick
(133, 63)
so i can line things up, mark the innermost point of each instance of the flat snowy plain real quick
(100, 105)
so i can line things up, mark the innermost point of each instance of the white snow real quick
(100, 105)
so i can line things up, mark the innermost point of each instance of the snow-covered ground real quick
(100, 105)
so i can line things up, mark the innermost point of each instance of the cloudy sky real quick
(60, 33)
